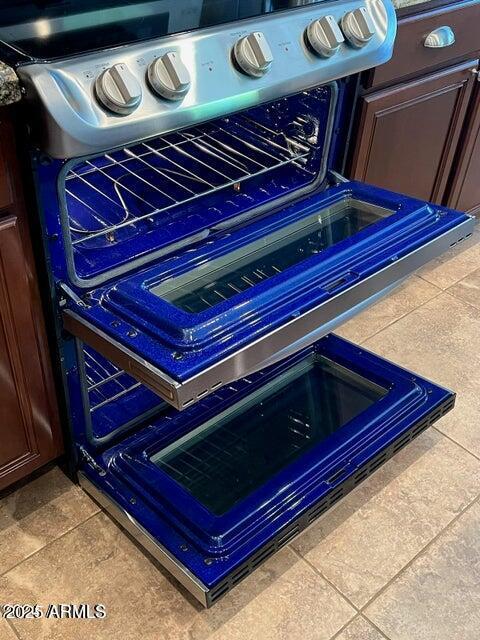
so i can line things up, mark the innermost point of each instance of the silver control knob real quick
(169, 77)
(118, 90)
(253, 54)
(324, 36)
(358, 27)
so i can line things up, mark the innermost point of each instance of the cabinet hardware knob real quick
(439, 38)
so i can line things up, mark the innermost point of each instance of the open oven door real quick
(223, 308)
(215, 490)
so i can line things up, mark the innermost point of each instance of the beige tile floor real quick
(399, 558)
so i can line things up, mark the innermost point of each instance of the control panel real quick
(100, 101)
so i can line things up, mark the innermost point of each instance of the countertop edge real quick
(9, 85)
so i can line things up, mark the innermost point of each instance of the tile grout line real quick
(382, 633)
(345, 626)
(373, 335)
(466, 302)
(318, 572)
(477, 457)
(49, 543)
(12, 628)
(417, 555)
(360, 611)
(454, 519)
(436, 285)
(454, 256)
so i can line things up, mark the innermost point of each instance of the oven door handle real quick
(313, 336)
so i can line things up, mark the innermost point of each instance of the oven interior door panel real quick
(214, 490)
(189, 324)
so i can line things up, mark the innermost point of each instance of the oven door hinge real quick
(67, 293)
(86, 457)
(336, 178)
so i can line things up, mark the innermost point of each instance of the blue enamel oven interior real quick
(158, 195)
(323, 420)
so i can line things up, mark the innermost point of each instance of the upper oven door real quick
(228, 306)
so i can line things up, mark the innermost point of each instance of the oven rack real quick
(105, 382)
(108, 197)
(113, 402)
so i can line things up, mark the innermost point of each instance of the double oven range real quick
(201, 245)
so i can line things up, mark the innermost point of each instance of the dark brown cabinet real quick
(29, 430)
(465, 189)
(411, 58)
(418, 118)
(408, 134)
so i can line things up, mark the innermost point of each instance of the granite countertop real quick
(401, 4)
(9, 85)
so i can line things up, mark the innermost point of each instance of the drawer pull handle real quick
(440, 38)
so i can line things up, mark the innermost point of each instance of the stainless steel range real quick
(201, 244)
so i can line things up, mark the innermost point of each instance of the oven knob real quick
(118, 90)
(358, 27)
(169, 77)
(253, 54)
(324, 36)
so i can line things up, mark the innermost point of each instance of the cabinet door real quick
(408, 134)
(26, 437)
(465, 191)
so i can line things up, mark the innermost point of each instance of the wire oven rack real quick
(105, 382)
(109, 198)
(113, 401)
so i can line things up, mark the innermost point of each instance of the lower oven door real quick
(223, 308)
(214, 490)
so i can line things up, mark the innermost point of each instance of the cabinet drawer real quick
(411, 57)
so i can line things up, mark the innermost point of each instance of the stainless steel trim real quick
(73, 124)
(148, 542)
(303, 330)
(123, 357)
(305, 341)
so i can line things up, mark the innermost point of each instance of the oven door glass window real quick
(225, 277)
(235, 453)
